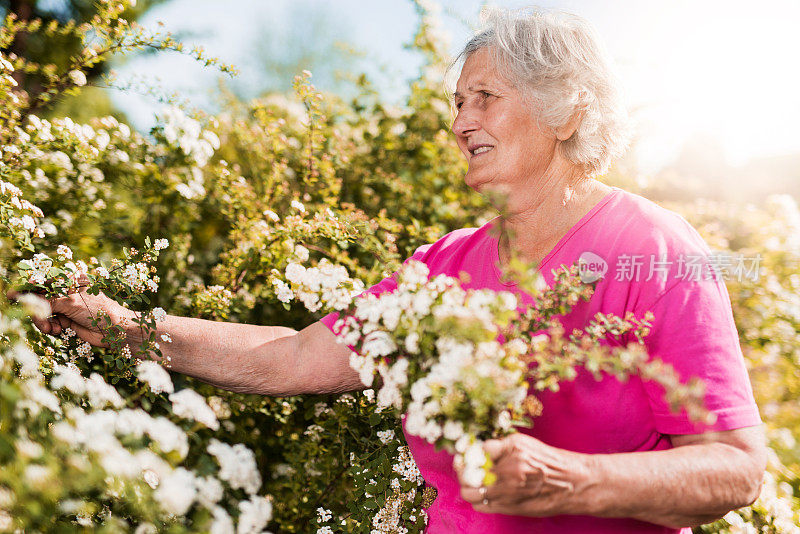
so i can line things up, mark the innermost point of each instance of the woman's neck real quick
(534, 229)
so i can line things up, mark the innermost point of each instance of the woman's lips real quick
(480, 151)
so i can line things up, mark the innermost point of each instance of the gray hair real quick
(556, 60)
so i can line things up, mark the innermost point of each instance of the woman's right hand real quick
(78, 310)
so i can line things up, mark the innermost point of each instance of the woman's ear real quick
(566, 131)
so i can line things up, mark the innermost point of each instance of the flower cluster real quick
(92, 426)
(327, 283)
(237, 465)
(189, 135)
(456, 361)
(18, 214)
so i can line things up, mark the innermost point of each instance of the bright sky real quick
(725, 69)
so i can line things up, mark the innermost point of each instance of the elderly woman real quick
(537, 117)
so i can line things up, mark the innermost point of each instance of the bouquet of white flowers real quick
(461, 364)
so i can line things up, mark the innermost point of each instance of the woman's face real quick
(497, 131)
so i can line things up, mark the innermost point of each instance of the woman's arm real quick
(698, 481)
(266, 360)
(246, 358)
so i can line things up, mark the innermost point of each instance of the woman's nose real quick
(465, 122)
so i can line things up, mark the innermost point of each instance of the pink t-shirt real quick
(655, 262)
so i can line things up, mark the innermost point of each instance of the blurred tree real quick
(58, 49)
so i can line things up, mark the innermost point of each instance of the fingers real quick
(458, 464)
(43, 325)
(80, 281)
(513, 467)
(68, 305)
(53, 326)
(496, 448)
(475, 495)
(93, 337)
(59, 324)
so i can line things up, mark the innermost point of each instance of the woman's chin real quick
(477, 182)
(497, 193)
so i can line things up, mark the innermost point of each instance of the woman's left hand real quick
(533, 479)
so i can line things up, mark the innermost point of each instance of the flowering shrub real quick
(258, 215)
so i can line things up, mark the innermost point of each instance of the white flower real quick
(212, 139)
(37, 475)
(378, 343)
(159, 314)
(386, 436)
(282, 290)
(412, 343)
(133, 422)
(36, 397)
(115, 459)
(35, 305)
(168, 436)
(64, 251)
(100, 393)
(365, 367)
(301, 252)
(271, 215)
(189, 404)
(41, 262)
(154, 374)
(474, 460)
(222, 524)
(323, 514)
(453, 430)
(29, 449)
(389, 395)
(102, 139)
(254, 516)
(27, 360)
(69, 377)
(209, 491)
(77, 77)
(237, 465)
(420, 390)
(151, 478)
(177, 491)
(160, 244)
(504, 420)
(296, 204)
(84, 350)
(295, 272)
(146, 528)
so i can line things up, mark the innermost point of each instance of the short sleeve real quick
(387, 285)
(693, 330)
